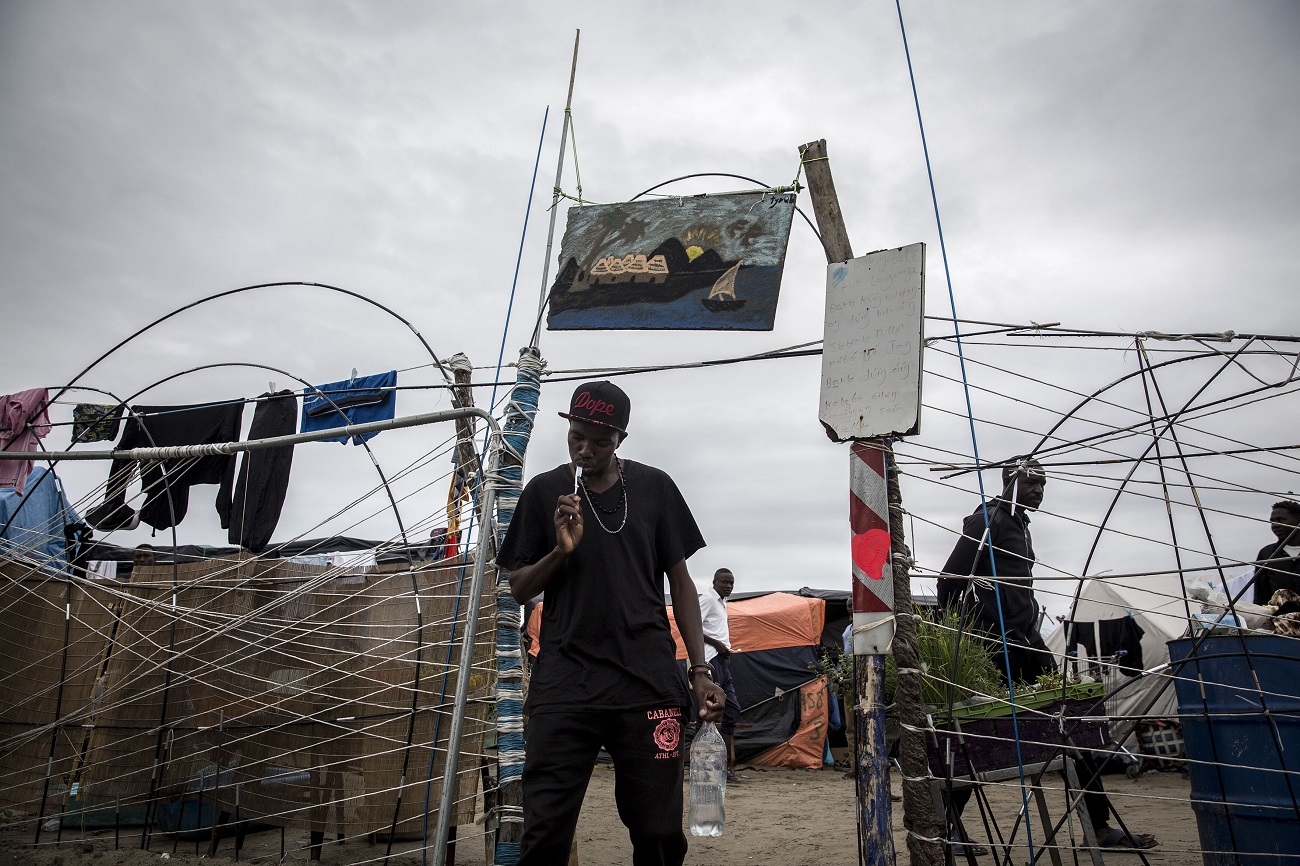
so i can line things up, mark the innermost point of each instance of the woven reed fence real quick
(278, 691)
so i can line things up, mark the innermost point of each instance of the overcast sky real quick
(1107, 166)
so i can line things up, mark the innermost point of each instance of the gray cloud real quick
(1105, 167)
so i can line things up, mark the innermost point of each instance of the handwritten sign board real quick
(872, 345)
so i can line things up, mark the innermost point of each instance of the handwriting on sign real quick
(812, 704)
(871, 351)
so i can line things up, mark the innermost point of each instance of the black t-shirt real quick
(606, 642)
(1282, 571)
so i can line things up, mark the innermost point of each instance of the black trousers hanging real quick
(646, 746)
(252, 513)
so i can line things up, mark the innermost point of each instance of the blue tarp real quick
(33, 524)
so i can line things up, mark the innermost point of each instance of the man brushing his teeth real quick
(599, 535)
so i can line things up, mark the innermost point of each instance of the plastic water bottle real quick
(708, 782)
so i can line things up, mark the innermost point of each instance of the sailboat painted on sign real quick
(722, 297)
(648, 265)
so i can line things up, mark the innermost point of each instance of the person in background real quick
(599, 534)
(717, 652)
(1007, 548)
(437, 548)
(144, 555)
(989, 578)
(1278, 564)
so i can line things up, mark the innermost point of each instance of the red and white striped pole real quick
(873, 572)
(873, 632)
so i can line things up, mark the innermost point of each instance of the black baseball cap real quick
(602, 403)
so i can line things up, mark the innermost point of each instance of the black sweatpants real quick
(646, 746)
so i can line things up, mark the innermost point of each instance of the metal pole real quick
(555, 195)
(485, 540)
(180, 452)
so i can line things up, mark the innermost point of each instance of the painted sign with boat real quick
(697, 263)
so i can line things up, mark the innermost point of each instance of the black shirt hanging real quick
(167, 483)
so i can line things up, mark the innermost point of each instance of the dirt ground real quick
(778, 816)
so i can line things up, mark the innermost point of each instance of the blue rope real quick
(970, 417)
(519, 416)
(501, 353)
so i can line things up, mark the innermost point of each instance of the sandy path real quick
(800, 817)
(776, 816)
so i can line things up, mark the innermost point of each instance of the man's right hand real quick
(568, 523)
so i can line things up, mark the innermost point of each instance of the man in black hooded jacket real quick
(989, 577)
(1278, 564)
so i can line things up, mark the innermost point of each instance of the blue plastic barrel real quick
(1244, 744)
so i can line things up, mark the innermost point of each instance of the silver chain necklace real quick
(595, 509)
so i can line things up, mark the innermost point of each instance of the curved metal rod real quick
(738, 177)
(230, 292)
(1169, 422)
(1040, 449)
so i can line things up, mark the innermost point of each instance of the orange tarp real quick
(771, 621)
(807, 745)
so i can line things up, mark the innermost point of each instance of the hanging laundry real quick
(23, 422)
(1082, 634)
(347, 566)
(95, 422)
(1122, 635)
(355, 563)
(166, 484)
(102, 569)
(33, 522)
(254, 510)
(353, 401)
(80, 541)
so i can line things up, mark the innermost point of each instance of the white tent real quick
(1159, 609)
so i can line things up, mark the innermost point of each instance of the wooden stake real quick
(875, 842)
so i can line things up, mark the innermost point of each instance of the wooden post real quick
(919, 817)
(463, 396)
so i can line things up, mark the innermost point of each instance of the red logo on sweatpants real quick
(668, 734)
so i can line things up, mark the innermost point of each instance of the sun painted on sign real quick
(707, 263)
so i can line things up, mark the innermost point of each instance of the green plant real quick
(1053, 680)
(955, 664)
(838, 670)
